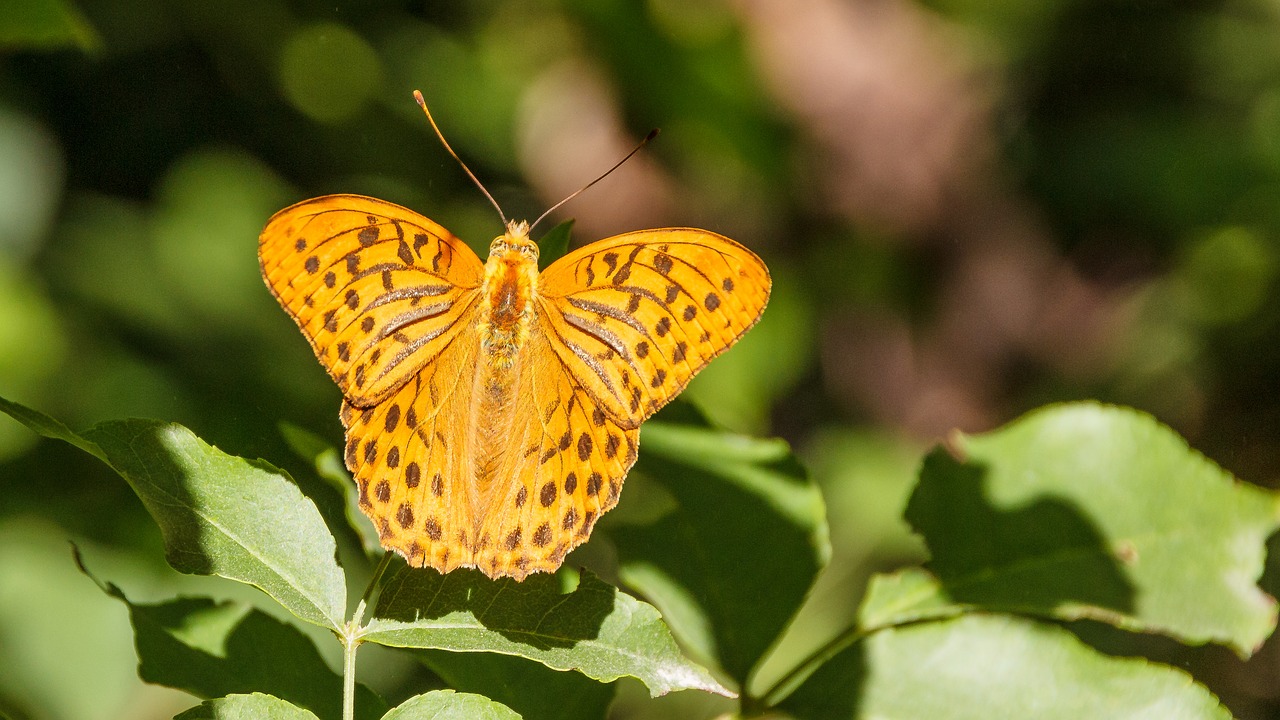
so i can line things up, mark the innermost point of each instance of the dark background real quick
(970, 208)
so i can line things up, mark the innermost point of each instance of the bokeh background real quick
(970, 208)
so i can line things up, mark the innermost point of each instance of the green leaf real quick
(49, 427)
(1085, 511)
(219, 514)
(594, 629)
(906, 596)
(450, 705)
(736, 500)
(981, 667)
(327, 461)
(246, 707)
(223, 515)
(211, 649)
(532, 689)
(554, 244)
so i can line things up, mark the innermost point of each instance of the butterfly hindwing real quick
(560, 468)
(412, 462)
(376, 288)
(635, 316)
(510, 507)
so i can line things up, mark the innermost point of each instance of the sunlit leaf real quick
(1085, 511)
(907, 596)
(219, 514)
(327, 461)
(450, 705)
(246, 707)
(980, 667)
(532, 689)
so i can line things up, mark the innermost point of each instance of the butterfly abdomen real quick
(493, 422)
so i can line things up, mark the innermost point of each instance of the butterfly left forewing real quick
(376, 288)
(635, 316)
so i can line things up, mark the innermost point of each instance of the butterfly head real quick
(514, 245)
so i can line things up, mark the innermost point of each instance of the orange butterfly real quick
(492, 411)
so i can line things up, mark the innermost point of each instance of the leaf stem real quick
(375, 579)
(803, 669)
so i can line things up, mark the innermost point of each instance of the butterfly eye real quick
(530, 251)
(498, 246)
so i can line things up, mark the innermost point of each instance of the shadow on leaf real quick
(731, 562)
(1044, 556)
(536, 612)
(211, 649)
(530, 688)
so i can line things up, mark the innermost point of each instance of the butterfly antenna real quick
(652, 134)
(423, 104)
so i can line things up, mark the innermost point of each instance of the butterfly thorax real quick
(510, 284)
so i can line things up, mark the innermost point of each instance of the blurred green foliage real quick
(1103, 223)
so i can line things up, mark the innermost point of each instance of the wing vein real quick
(607, 310)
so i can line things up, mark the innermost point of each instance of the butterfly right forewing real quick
(635, 316)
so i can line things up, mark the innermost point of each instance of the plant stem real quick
(351, 638)
(350, 641)
(802, 670)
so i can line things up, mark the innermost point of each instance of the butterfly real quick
(492, 411)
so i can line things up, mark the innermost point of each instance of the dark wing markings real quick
(599, 308)
(602, 334)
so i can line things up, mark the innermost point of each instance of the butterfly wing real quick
(391, 304)
(634, 317)
(388, 300)
(443, 499)
(561, 469)
(377, 289)
(412, 461)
